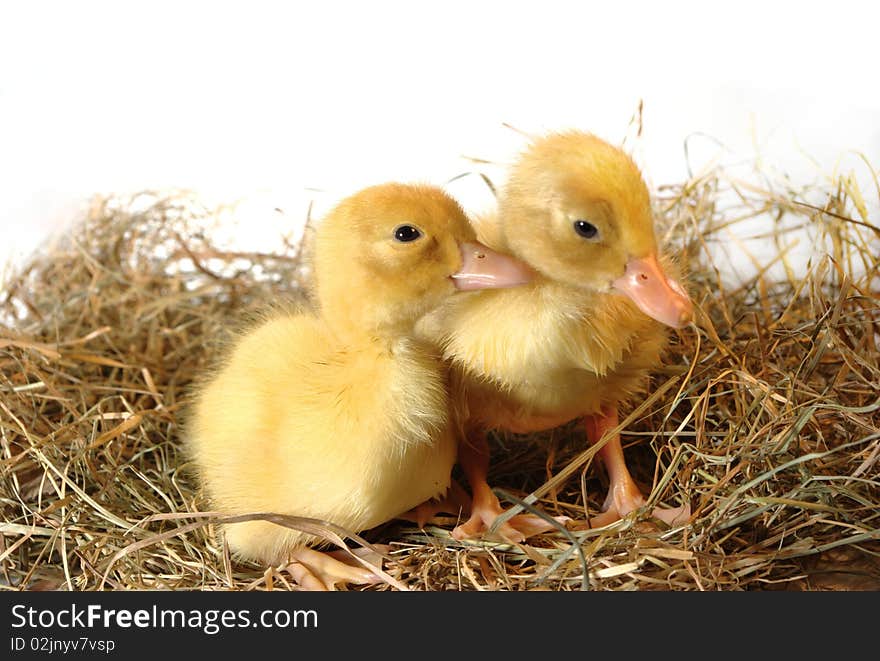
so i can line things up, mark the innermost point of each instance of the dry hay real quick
(765, 417)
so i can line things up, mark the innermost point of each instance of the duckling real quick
(580, 339)
(340, 413)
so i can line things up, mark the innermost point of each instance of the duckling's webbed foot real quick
(316, 571)
(485, 510)
(624, 495)
(473, 456)
(455, 501)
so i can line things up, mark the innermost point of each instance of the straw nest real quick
(765, 417)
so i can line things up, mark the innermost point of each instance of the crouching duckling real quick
(340, 413)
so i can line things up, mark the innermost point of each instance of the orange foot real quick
(473, 456)
(316, 571)
(624, 496)
(486, 508)
(455, 501)
(516, 529)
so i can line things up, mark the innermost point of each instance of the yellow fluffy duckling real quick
(581, 338)
(340, 413)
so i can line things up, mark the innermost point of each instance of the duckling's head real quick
(390, 253)
(577, 210)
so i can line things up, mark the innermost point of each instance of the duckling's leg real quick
(316, 571)
(473, 456)
(623, 494)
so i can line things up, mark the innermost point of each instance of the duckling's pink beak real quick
(482, 268)
(655, 294)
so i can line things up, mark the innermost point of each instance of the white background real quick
(282, 103)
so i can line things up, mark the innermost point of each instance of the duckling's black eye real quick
(406, 233)
(586, 230)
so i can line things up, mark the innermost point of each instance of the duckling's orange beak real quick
(482, 268)
(655, 294)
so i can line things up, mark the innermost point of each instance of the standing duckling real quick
(340, 413)
(580, 339)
